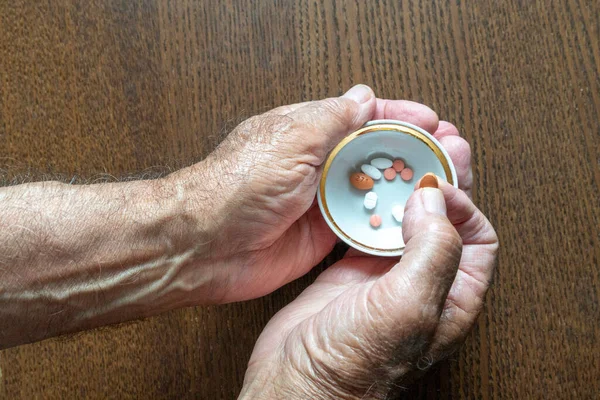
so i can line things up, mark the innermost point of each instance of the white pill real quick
(381, 163)
(371, 171)
(370, 200)
(398, 213)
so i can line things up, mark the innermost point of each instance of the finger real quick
(460, 153)
(352, 252)
(467, 294)
(405, 110)
(408, 111)
(288, 108)
(470, 223)
(394, 315)
(421, 280)
(319, 125)
(445, 128)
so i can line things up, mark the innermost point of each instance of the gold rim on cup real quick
(377, 127)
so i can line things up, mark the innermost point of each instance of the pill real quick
(381, 163)
(361, 181)
(398, 212)
(371, 171)
(389, 174)
(370, 200)
(406, 174)
(428, 180)
(375, 221)
(398, 165)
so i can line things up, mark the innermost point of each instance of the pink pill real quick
(398, 165)
(375, 221)
(389, 174)
(406, 174)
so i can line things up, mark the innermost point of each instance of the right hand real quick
(368, 324)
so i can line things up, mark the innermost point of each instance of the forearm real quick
(77, 257)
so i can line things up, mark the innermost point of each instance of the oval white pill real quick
(371, 171)
(398, 213)
(370, 200)
(381, 163)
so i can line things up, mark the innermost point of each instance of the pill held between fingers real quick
(389, 174)
(370, 200)
(381, 163)
(398, 165)
(375, 221)
(361, 181)
(406, 174)
(398, 213)
(371, 171)
(429, 180)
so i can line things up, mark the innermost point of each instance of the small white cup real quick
(342, 204)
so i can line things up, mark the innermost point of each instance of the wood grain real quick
(97, 89)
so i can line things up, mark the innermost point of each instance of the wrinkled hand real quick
(368, 324)
(267, 229)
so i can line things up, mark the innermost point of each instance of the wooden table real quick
(95, 90)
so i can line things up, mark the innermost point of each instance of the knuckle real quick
(340, 109)
(337, 109)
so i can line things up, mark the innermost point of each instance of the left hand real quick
(265, 228)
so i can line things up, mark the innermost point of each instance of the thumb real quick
(318, 126)
(413, 292)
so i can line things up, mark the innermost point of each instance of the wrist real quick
(195, 205)
(193, 209)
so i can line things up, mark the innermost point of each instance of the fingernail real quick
(429, 180)
(359, 93)
(433, 201)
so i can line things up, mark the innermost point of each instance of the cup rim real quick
(377, 126)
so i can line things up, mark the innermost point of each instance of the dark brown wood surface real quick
(92, 90)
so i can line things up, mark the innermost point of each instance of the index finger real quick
(403, 110)
(408, 111)
(476, 267)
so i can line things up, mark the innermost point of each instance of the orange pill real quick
(361, 181)
(398, 165)
(406, 174)
(389, 174)
(375, 221)
(428, 180)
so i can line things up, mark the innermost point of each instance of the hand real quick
(260, 184)
(368, 324)
(235, 226)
